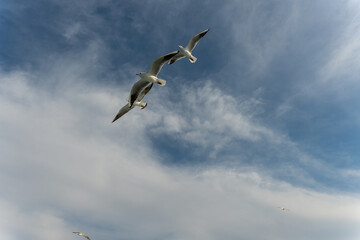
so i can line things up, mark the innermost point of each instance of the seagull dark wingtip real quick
(116, 118)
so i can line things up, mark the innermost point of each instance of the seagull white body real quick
(187, 51)
(156, 65)
(81, 234)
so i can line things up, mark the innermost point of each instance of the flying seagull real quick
(186, 52)
(143, 86)
(284, 209)
(81, 234)
(156, 65)
(137, 93)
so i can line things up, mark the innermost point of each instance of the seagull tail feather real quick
(161, 82)
(193, 59)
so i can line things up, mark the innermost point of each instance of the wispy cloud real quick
(227, 130)
(343, 63)
(261, 33)
(201, 113)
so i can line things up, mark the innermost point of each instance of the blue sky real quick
(267, 116)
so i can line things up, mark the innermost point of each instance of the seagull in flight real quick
(284, 209)
(143, 86)
(156, 65)
(186, 52)
(137, 93)
(81, 234)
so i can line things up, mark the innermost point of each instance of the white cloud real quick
(65, 167)
(17, 223)
(260, 33)
(344, 57)
(203, 114)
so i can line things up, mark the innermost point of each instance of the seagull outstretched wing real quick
(178, 56)
(138, 89)
(137, 93)
(81, 234)
(158, 63)
(121, 112)
(195, 39)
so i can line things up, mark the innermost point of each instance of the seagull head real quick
(140, 74)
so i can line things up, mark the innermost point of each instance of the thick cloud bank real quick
(65, 167)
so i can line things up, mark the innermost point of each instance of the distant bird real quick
(81, 234)
(156, 65)
(284, 209)
(186, 52)
(138, 92)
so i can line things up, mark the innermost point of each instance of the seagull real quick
(186, 52)
(156, 65)
(284, 209)
(143, 86)
(137, 93)
(81, 234)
